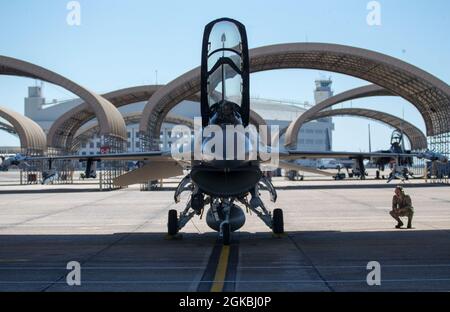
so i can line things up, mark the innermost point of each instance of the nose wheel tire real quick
(226, 234)
(278, 222)
(172, 222)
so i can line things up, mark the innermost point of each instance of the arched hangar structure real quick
(293, 130)
(112, 125)
(32, 137)
(427, 93)
(63, 131)
(87, 132)
(415, 136)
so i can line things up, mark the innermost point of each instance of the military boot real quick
(410, 222)
(399, 225)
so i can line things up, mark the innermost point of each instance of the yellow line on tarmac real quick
(221, 271)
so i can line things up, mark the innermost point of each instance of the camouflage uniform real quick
(402, 207)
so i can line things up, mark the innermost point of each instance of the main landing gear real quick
(172, 222)
(278, 222)
(225, 215)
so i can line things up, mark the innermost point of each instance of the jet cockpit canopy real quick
(225, 74)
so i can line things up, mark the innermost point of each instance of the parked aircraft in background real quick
(7, 161)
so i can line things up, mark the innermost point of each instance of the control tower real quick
(322, 92)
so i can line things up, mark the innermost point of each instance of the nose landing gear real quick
(226, 233)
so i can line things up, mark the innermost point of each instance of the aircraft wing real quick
(352, 155)
(139, 156)
(157, 165)
(165, 156)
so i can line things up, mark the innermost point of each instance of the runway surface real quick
(333, 231)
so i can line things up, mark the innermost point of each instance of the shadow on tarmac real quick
(126, 248)
(309, 260)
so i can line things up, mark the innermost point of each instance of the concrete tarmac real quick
(334, 229)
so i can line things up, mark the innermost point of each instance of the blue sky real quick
(123, 43)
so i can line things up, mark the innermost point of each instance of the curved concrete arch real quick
(415, 136)
(32, 137)
(430, 95)
(110, 119)
(256, 119)
(66, 126)
(366, 91)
